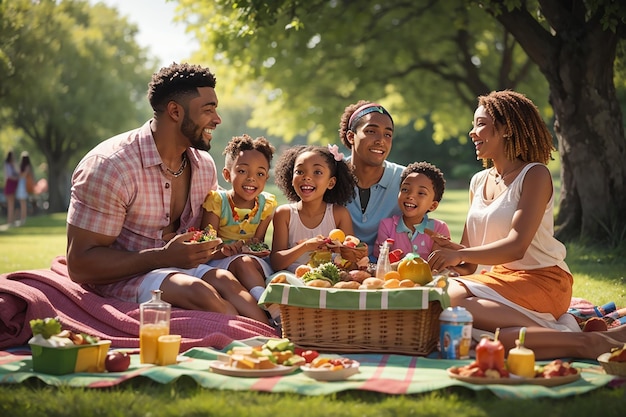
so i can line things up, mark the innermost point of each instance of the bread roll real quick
(359, 275)
(407, 283)
(347, 285)
(320, 283)
(372, 283)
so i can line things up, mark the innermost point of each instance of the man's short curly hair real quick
(245, 142)
(431, 171)
(177, 82)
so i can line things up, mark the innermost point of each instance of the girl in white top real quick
(319, 183)
(517, 271)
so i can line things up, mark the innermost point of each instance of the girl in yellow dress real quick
(242, 214)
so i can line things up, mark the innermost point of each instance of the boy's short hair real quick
(431, 171)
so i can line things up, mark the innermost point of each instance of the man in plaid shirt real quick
(135, 195)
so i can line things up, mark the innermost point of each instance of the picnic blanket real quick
(384, 373)
(585, 311)
(41, 293)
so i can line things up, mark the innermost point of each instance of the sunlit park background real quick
(75, 72)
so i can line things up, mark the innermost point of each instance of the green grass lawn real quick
(599, 277)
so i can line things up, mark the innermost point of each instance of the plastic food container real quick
(69, 359)
(455, 334)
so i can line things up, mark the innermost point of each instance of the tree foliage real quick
(72, 75)
(427, 61)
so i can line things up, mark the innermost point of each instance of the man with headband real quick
(366, 129)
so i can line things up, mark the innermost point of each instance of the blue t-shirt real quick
(383, 203)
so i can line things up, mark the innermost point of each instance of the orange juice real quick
(168, 348)
(148, 341)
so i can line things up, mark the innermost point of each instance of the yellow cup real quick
(168, 348)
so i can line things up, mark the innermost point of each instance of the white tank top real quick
(299, 232)
(489, 221)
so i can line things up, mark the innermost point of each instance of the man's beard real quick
(190, 129)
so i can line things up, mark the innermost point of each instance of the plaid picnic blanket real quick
(384, 373)
(584, 310)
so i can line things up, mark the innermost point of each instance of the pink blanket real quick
(41, 293)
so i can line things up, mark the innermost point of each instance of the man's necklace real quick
(180, 170)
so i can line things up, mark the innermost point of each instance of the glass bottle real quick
(154, 316)
(382, 265)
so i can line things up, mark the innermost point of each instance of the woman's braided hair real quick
(526, 136)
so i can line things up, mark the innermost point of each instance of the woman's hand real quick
(442, 241)
(441, 259)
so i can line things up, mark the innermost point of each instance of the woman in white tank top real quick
(513, 270)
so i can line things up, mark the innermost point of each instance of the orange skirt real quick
(545, 290)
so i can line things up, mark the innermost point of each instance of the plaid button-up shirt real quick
(118, 189)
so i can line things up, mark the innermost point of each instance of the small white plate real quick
(260, 254)
(325, 374)
(224, 368)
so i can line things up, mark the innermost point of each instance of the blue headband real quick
(366, 109)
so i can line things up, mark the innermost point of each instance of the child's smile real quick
(416, 198)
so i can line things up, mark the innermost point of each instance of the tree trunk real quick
(58, 185)
(591, 145)
(577, 59)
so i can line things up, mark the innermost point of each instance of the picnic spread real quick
(387, 340)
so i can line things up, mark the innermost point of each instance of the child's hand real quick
(232, 248)
(315, 243)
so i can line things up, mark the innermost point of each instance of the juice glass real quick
(168, 348)
(148, 341)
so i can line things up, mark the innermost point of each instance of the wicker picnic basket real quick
(612, 367)
(402, 331)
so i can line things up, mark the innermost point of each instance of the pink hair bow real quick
(334, 149)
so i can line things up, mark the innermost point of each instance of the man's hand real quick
(185, 254)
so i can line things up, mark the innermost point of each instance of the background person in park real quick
(25, 185)
(11, 178)
(135, 195)
(522, 277)
(366, 129)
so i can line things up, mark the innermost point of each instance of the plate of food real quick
(257, 249)
(513, 380)
(552, 374)
(224, 368)
(330, 369)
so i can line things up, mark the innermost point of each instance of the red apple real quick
(395, 255)
(117, 361)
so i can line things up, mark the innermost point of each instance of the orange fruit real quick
(302, 269)
(392, 275)
(337, 234)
